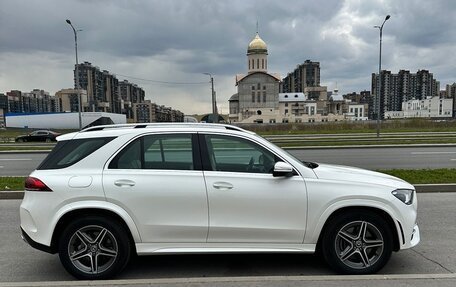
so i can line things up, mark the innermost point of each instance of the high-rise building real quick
(451, 93)
(148, 112)
(101, 86)
(400, 87)
(36, 101)
(67, 100)
(305, 75)
(129, 94)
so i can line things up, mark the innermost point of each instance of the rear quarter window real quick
(67, 153)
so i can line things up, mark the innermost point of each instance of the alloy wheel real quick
(92, 249)
(359, 244)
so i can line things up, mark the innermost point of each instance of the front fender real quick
(314, 231)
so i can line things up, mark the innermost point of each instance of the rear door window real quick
(67, 153)
(171, 152)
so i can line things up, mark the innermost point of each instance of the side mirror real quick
(282, 169)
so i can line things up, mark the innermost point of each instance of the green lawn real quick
(414, 176)
(424, 176)
(12, 183)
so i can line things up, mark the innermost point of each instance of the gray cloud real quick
(179, 40)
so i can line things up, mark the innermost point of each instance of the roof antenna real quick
(257, 31)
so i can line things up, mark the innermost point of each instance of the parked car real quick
(38, 136)
(113, 191)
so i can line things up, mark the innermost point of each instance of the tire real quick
(20, 140)
(347, 251)
(48, 140)
(87, 255)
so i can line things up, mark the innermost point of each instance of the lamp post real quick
(214, 108)
(77, 72)
(379, 75)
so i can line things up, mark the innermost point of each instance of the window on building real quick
(258, 86)
(262, 63)
(264, 97)
(258, 65)
(253, 87)
(249, 64)
(286, 111)
(259, 97)
(253, 97)
(264, 87)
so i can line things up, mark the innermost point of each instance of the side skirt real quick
(181, 248)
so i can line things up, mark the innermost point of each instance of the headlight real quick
(404, 195)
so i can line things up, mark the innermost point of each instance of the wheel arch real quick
(68, 216)
(394, 225)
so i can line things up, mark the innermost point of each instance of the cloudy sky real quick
(179, 40)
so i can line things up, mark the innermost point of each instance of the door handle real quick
(124, 182)
(222, 185)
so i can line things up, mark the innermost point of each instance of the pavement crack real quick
(432, 260)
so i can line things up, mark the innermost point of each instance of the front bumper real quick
(415, 239)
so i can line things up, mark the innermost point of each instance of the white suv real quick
(108, 192)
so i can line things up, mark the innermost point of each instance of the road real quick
(17, 164)
(436, 254)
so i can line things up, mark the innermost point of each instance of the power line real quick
(163, 82)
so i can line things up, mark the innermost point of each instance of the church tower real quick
(257, 55)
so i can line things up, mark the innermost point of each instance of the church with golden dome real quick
(257, 91)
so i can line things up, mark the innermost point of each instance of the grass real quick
(12, 183)
(414, 176)
(11, 133)
(424, 176)
(390, 126)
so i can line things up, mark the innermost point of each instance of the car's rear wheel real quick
(94, 248)
(357, 243)
(20, 140)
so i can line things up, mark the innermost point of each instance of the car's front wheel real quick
(357, 243)
(94, 248)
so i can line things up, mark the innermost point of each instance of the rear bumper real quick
(36, 245)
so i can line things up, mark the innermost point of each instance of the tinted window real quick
(172, 152)
(238, 155)
(67, 153)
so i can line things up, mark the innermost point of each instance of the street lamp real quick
(380, 76)
(77, 72)
(214, 108)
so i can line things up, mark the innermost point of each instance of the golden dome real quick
(257, 45)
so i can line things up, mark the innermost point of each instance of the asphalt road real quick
(20, 164)
(436, 254)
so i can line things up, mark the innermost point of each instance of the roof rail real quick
(158, 125)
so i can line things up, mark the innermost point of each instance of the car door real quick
(158, 180)
(246, 202)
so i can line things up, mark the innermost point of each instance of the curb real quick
(420, 188)
(287, 148)
(24, 151)
(369, 146)
(250, 280)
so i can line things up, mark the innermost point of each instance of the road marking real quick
(14, 159)
(433, 152)
(453, 159)
(244, 279)
(1, 166)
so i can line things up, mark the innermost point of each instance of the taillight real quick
(34, 184)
